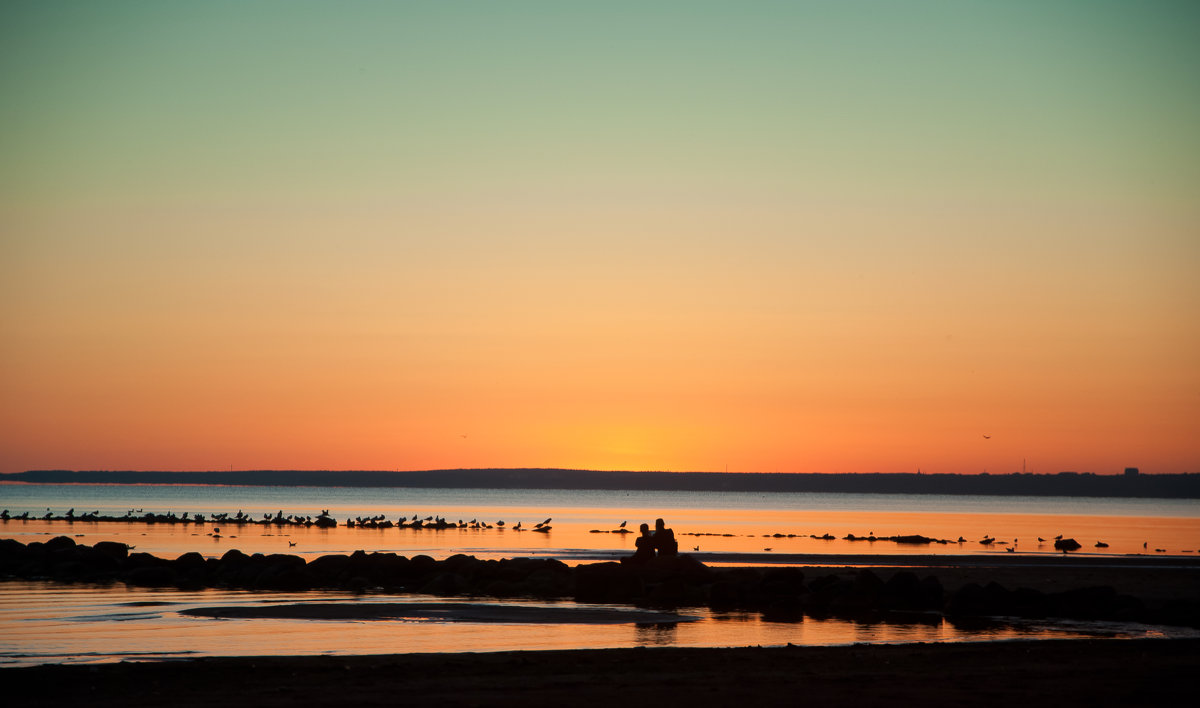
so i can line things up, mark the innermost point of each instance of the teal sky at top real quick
(734, 224)
(141, 99)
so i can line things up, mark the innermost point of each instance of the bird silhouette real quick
(622, 525)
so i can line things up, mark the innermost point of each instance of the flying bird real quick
(987, 437)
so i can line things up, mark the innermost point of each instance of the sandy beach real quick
(1031, 674)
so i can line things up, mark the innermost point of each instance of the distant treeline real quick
(1168, 486)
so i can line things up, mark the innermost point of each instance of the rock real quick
(151, 576)
(387, 569)
(607, 582)
(118, 551)
(1067, 544)
(782, 582)
(447, 583)
(903, 591)
(189, 561)
(724, 594)
(915, 539)
(59, 544)
(329, 570)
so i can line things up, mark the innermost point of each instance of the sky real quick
(688, 236)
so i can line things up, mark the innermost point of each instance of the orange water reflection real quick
(710, 531)
(49, 623)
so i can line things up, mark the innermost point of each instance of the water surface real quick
(43, 622)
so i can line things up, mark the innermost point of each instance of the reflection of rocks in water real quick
(656, 633)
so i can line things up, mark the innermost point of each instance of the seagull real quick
(987, 437)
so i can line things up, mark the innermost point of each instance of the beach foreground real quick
(1029, 674)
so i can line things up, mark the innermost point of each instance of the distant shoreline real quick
(1067, 484)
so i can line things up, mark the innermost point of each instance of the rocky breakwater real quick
(779, 593)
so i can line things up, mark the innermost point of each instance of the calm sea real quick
(42, 622)
(762, 524)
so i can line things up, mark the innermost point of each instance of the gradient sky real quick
(805, 236)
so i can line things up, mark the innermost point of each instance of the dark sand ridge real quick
(450, 611)
(1050, 673)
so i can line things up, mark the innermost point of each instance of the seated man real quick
(664, 540)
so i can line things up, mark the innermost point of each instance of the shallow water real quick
(49, 623)
(704, 522)
(42, 622)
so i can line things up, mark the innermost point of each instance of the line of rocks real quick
(682, 581)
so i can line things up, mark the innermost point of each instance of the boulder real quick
(118, 551)
(1067, 544)
(59, 544)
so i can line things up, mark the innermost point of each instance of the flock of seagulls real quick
(417, 521)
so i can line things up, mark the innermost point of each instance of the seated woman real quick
(644, 545)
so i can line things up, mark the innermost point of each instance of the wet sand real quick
(1029, 674)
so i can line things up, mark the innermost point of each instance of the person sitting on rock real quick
(664, 540)
(644, 544)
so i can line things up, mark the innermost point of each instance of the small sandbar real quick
(441, 612)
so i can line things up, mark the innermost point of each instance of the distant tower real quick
(1131, 471)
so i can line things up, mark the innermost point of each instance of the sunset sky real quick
(793, 236)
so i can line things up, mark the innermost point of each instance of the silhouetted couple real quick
(661, 543)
